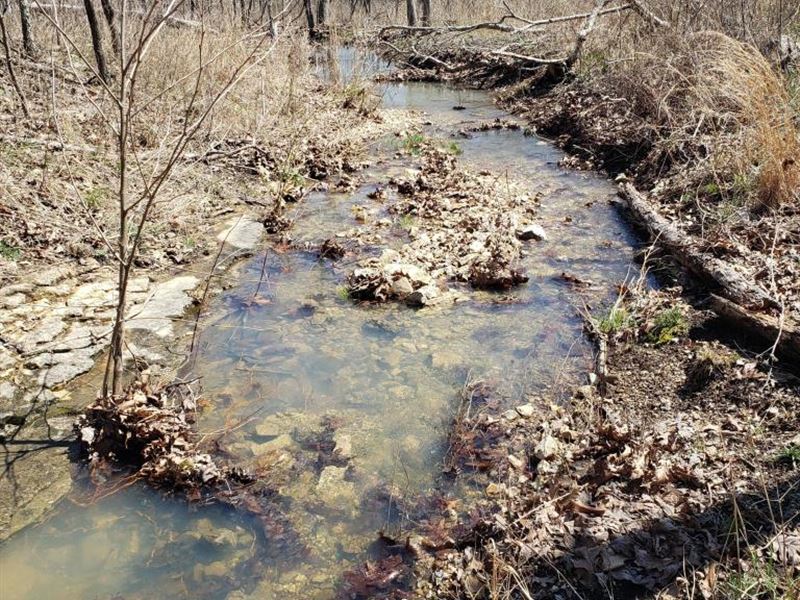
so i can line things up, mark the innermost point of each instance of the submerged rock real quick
(333, 490)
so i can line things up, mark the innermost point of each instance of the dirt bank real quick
(681, 477)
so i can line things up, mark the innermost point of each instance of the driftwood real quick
(502, 24)
(732, 284)
(516, 25)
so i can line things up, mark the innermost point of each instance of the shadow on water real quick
(349, 399)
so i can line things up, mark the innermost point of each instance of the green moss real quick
(790, 455)
(413, 143)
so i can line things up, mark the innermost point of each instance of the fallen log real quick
(731, 284)
(783, 337)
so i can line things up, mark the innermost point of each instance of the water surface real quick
(289, 361)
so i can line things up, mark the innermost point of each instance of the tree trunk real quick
(312, 29)
(426, 13)
(323, 8)
(11, 73)
(111, 19)
(25, 22)
(97, 40)
(411, 12)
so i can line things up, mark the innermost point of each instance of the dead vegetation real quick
(465, 229)
(615, 496)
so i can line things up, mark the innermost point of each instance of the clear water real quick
(282, 354)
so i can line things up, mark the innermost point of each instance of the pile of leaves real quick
(149, 431)
(464, 230)
(663, 485)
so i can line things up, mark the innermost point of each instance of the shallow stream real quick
(293, 365)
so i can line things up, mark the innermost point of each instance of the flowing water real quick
(297, 368)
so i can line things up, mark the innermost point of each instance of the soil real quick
(666, 483)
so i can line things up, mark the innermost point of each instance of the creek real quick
(306, 370)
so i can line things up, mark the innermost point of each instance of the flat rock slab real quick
(168, 301)
(244, 233)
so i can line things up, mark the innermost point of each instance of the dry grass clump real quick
(56, 199)
(720, 108)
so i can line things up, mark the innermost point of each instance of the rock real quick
(80, 336)
(531, 232)
(494, 489)
(270, 427)
(424, 296)
(97, 294)
(547, 448)
(510, 415)
(525, 410)
(218, 537)
(216, 569)
(402, 287)
(51, 276)
(13, 300)
(169, 300)
(344, 445)
(515, 462)
(17, 288)
(244, 233)
(282, 442)
(7, 358)
(332, 488)
(68, 367)
(46, 331)
(444, 359)
(7, 390)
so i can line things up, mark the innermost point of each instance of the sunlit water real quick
(283, 355)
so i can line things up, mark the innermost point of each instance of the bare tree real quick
(25, 23)
(141, 178)
(411, 12)
(111, 20)
(309, 10)
(11, 73)
(426, 13)
(97, 41)
(323, 9)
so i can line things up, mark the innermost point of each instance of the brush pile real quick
(150, 432)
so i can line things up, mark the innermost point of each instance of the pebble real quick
(515, 462)
(510, 415)
(525, 410)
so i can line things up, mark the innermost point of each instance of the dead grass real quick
(55, 201)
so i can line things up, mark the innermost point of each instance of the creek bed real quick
(315, 372)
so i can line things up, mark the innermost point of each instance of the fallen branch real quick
(732, 284)
(52, 145)
(501, 25)
(648, 15)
